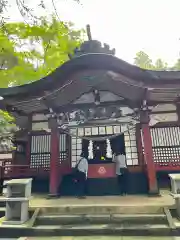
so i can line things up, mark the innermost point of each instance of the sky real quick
(128, 26)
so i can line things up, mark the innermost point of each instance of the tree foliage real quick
(7, 126)
(176, 66)
(28, 53)
(143, 60)
(160, 65)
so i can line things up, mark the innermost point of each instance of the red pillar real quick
(148, 156)
(178, 111)
(139, 145)
(29, 138)
(54, 159)
(28, 149)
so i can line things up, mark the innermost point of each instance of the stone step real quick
(102, 209)
(102, 229)
(2, 211)
(89, 230)
(2, 204)
(101, 219)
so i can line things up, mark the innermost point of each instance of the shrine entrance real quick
(99, 151)
(99, 143)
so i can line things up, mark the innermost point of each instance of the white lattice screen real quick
(165, 145)
(40, 150)
(131, 148)
(129, 137)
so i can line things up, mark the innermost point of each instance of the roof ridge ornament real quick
(91, 46)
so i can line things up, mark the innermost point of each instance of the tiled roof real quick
(131, 82)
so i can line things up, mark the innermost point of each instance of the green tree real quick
(30, 52)
(142, 60)
(7, 126)
(46, 47)
(50, 43)
(176, 66)
(160, 65)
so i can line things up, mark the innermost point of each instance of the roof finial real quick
(88, 29)
(91, 46)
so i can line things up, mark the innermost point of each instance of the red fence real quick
(18, 171)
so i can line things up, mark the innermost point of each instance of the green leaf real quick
(56, 40)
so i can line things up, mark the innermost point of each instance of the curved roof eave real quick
(91, 61)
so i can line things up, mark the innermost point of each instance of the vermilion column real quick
(29, 138)
(54, 159)
(139, 145)
(148, 156)
(178, 111)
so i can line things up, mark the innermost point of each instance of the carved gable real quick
(105, 96)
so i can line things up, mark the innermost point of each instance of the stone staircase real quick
(98, 220)
(79, 220)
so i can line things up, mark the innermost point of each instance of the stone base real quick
(11, 222)
(50, 196)
(154, 193)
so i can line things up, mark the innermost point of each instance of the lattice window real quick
(40, 151)
(7, 166)
(76, 144)
(63, 155)
(166, 145)
(40, 160)
(131, 148)
(166, 136)
(166, 155)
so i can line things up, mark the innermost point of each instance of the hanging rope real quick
(90, 150)
(108, 149)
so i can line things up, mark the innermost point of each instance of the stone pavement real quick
(106, 238)
(129, 200)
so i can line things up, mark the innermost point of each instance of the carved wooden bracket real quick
(52, 123)
(144, 116)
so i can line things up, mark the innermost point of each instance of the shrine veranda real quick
(98, 104)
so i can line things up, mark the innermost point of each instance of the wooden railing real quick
(17, 171)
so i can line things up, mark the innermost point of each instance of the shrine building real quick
(97, 104)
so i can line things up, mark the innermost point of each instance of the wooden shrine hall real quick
(96, 103)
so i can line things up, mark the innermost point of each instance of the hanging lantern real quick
(108, 149)
(90, 150)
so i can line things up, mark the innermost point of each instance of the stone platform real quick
(130, 200)
(136, 202)
(106, 215)
(102, 238)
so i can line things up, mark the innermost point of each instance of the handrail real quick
(14, 165)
